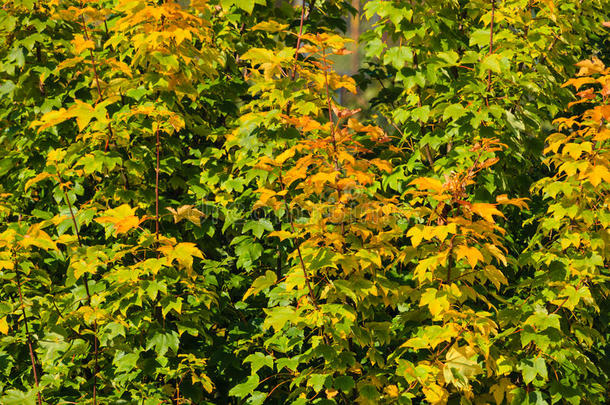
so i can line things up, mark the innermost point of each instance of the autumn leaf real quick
(187, 212)
(487, 211)
(472, 255)
(427, 183)
(3, 326)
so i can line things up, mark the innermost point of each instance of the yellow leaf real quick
(346, 82)
(282, 157)
(472, 255)
(427, 183)
(497, 253)
(83, 113)
(392, 390)
(183, 253)
(602, 135)
(3, 326)
(122, 219)
(6, 264)
(319, 179)
(438, 306)
(39, 177)
(486, 211)
(382, 165)
(39, 238)
(265, 195)
(598, 174)
(52, 118)
(495, 276)
(589, 67)
(498, 390)
(81, 267)
(435, 394)
(463, 360)
(416, 234)
(269, 26)
(180, 35)
(281, 234)
(442, 231)
(81, 44)
(577, 83)
(187, 212)
(576, 149)
(518, 202)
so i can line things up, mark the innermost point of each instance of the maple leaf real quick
(187, 212)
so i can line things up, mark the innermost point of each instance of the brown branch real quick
(491, 47)
(333, 124)
(157, 191)
(296, 52)
(27, 333)
(450, 260)
(86, 282)
(312, 296)
(328, 101)
(276, 387)
(97, 82)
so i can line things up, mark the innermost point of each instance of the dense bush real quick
(197, 207)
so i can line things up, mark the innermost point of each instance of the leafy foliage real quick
(195, 210)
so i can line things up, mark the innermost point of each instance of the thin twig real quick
(332, 127)
(296, 52)
(86, 282)
(312, 296)
(157, 191)
(27, 334)
(491, 47)
(97, 81)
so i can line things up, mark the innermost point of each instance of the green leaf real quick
(491, 62)
(258, 227)
(278, 317)
(532, 368)
(316, 381)
(344, 383)
(259, 360)
(261, 283)
(454, 111)
(14, 397)
(246, 388)
(162, 342)
(480, 38)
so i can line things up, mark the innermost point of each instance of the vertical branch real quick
(333, 123)
(86, 282)
(157, 190)
(328, 100)
(355, 35)
(426, 148)
(312, 296)
(491, 48)
(296, 52)
(298, 46)
(27, 333)
(97, 79)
